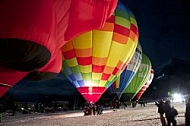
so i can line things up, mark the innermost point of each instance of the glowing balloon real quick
(140, 78)
(146, 85)
(96, 58)
(126, 76)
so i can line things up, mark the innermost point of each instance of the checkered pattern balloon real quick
(93, 60)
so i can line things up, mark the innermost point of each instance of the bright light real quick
(177, 97)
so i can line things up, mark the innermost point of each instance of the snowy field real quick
(139, 116)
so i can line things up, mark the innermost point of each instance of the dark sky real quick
(164, 29)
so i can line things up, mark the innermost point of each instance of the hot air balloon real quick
(139, 79)
(33, 31)
(146, 85)
(93, 60)
(126, 76)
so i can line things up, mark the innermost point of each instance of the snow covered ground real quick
(139, 116)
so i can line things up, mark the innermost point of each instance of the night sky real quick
(164, 29)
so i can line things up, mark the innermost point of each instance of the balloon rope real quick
(5, 85)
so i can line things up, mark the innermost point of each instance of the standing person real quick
(187, 113)
(170, 113)
(98, 110)
(94, 109)
(160, 105)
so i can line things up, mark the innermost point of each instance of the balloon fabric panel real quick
(3, 89)
(62, 10)
(84, 12)
(9, 78)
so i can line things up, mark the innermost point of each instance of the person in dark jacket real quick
(160, 105)
(170, 113)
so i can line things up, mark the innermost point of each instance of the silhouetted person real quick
(160, 105)
(170, 113)
(98, 110)
(94, 109)
(134, 102)
(187, 113)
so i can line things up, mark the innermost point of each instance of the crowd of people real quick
(93, 109)
(166, 111)
(164, 107)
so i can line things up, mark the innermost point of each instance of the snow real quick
(138, 116)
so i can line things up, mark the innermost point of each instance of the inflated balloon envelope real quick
(93, 60)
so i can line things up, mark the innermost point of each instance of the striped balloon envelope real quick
(146, 85)
(126, 76)
(93, 60)
(139, 79)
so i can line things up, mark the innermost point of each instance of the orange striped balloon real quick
(93, 60)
